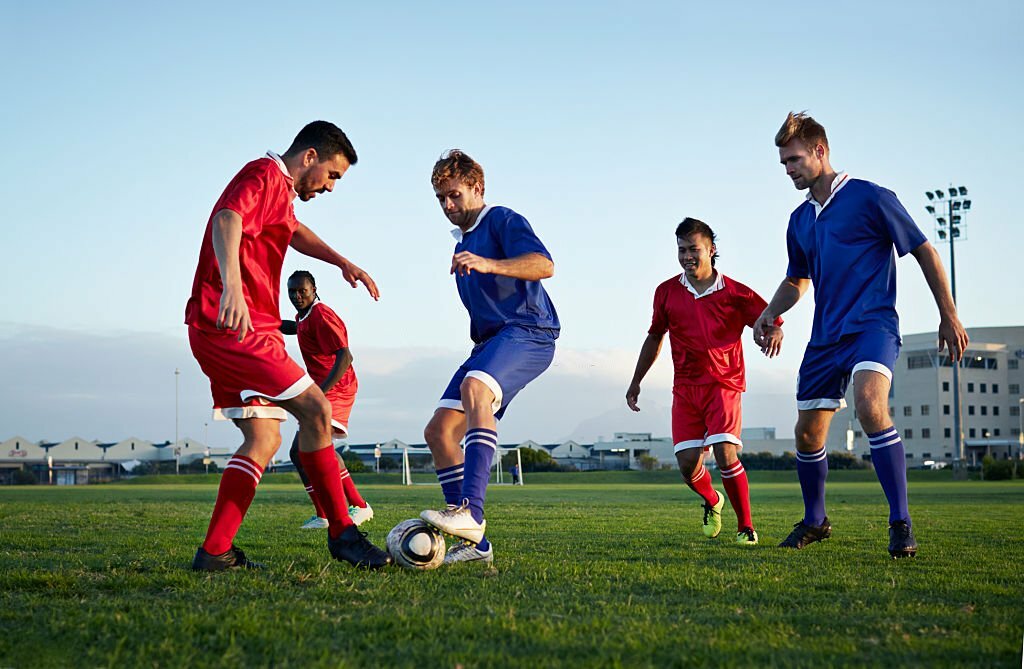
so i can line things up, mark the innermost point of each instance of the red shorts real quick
(705, 414)
(247, 376)
(341, 406)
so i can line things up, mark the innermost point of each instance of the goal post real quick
(501, 477)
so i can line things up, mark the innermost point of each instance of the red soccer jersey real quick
(705, 331)
(261, 193)
(321, 334)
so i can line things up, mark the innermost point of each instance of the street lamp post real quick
(1020, 427)
(951, 224)
(177, 373)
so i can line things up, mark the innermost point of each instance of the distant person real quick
(498, 266)
(323, 341)
(704, 313)
(234, 320)
(515, 474)
(841, 239)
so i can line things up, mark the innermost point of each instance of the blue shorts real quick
(826, 370)
(505, 363)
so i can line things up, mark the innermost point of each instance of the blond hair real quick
(802, 127)
(456, 164)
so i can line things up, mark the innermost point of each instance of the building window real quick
(947, 433)
(1015, 389)
(945, 409)
(857, 434)
(945, 386)
(995, 432)
(984, 410)
(995, 411)
(995, 388)
(1015, 431)
(910, 456)
(892, 411)
(1012, 363)
(925, 410)
(926, 455)
(1015, 411)
(919, 361)
(984, 387)
(972, 433)
(908, 433)
(970, 409)
(907, 411)
(970, 387)
(926, 433)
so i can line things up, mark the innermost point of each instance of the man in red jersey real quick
(704, 313)
(233, 327)
(323, 340)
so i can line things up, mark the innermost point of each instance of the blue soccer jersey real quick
(492, 301)
(846, 249)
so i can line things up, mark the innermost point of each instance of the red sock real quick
(320, 513)
(323, 472)
(237, 488)
(734, 478)
(353, 496)
(700, 483)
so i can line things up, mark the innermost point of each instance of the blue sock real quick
(812, 470)
(890, 461)
(450, 479)
(480, 446)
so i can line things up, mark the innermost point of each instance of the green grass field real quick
(591, 570)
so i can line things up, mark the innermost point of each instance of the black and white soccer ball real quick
(416, 545)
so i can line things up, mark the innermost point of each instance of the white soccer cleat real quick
(467, 552)
(360, 514)
(456, 521)
(315, 523)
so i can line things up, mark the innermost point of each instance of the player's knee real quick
(475, 393)
(872, 416)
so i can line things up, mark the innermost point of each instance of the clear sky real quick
(603, 123)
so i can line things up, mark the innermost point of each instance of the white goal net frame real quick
(500, 477)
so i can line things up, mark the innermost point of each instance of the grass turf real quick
(603, 570)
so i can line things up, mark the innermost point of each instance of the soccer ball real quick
(416, 545)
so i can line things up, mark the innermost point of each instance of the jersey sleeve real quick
(659, 320)
(751, 305)
(331, 333)
(798, 266)
(242, 196)
(518, 238)
(901, 228)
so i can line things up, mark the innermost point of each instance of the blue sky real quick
(603, 123)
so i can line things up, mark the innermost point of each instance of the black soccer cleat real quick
(233, 558)
(353, 547)
(901, 540)
(804, 535)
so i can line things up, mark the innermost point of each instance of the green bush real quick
(996, 470)
(23, 477)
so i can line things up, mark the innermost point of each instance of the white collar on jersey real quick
(316, 300)
(842, 178)
(459, 235)
(719, 284)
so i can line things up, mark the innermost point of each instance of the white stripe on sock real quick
(247, 470)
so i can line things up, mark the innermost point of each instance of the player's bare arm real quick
(528, 267)
(227, 235)
(952, 334)
(786, 296)
(648, 354)
(306, 242)
(342, 361)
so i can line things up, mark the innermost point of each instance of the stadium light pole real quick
(177, 373)
(949, 208)
(1020, 427)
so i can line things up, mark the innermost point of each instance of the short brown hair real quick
(802, 127)
(456, 164)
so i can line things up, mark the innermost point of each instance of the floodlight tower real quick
(951, 224)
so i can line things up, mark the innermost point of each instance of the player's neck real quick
(702, 284)
(821, 189)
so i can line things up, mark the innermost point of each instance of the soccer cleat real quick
(353, 547)
(713, 517)
(360, 514)
(315, 523)
(747, 537)
(233, 558)
(465, 551)
(456, 521)
(804, 535)
(901, 540)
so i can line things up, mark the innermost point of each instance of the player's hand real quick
(465, 262)
(765, 321)
(632, 395)
(953, 336)
(771, 344)
(356, 275)
(234, 313)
